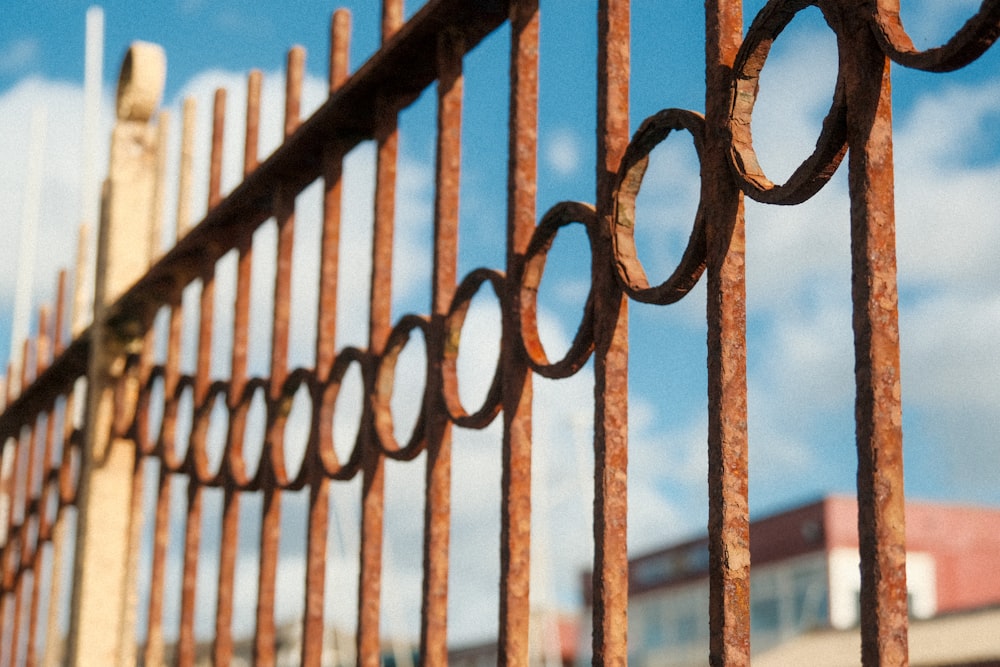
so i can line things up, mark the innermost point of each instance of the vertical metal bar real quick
(161, 535)
(326, 349)
(18, 528)
(22, 501)
(437, 500)
(4, 618)
(58, 329)
(878, 410)
(185, 175)
(80, 312)
(129, 650)
(223, 643)
(202, 380)
(15, 642)
(38, 469)
(515, 521)
(192, 540)
(610, 583)
(25, 376)
(728, 511)
(37, 582)
(45, 527)
(379, 326)
(54, 638)
(171, 377)
(19, 519)
(155, 238)
(273, 457)
(53, 633)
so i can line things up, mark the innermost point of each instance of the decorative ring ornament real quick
(970, 42)
(381, 398)
(560, 215)
(326, 451)
(452, 336)
(831, 146)
(631, 274)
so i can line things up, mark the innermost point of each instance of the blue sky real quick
(799, 337)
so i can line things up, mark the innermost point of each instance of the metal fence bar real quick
(35, 493)
(878, 408)
(610, 580)
(272, 476)
(326, 354)
(728, 509)
(379, 326)
(238, 402)
(515, 521)
(437, 504)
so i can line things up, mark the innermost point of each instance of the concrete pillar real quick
(98, 633)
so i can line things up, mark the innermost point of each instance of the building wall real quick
(806, 576)
(963, 541)
(845, 586)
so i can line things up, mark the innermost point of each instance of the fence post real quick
(100, 605)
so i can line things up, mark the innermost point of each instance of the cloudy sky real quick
(947, 151)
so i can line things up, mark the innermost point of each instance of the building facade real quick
(806, 578)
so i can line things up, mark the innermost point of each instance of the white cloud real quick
(562, 152)
(62, 106)
(19, 54)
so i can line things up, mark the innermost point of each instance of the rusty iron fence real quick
(76, 476)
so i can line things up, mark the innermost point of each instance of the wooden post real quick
(98, 634)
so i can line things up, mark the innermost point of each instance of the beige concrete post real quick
(100, 606)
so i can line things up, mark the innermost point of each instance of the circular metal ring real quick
(452, 335)
(632, 276)
(236, 438)
(326, 450)
(141, 430)
(198, 440)
(563, 213)
(971, 41)
(831, 146)
(167, 440)
(280, 407)
(384, 380)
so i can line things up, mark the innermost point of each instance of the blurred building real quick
(339, 650)
(805, 587)
(553, 641)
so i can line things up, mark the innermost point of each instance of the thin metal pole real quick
(437, 504)
(272, 461)
(878, 408)
(379, 327)
(326, 341)
(728, 511)
(515, 517)
(610, 579)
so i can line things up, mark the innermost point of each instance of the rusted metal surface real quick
(878, 406)
(326, 336)
(40, 432)
(610, 333)
(437, 498)
(516, 386)
(728, 507)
